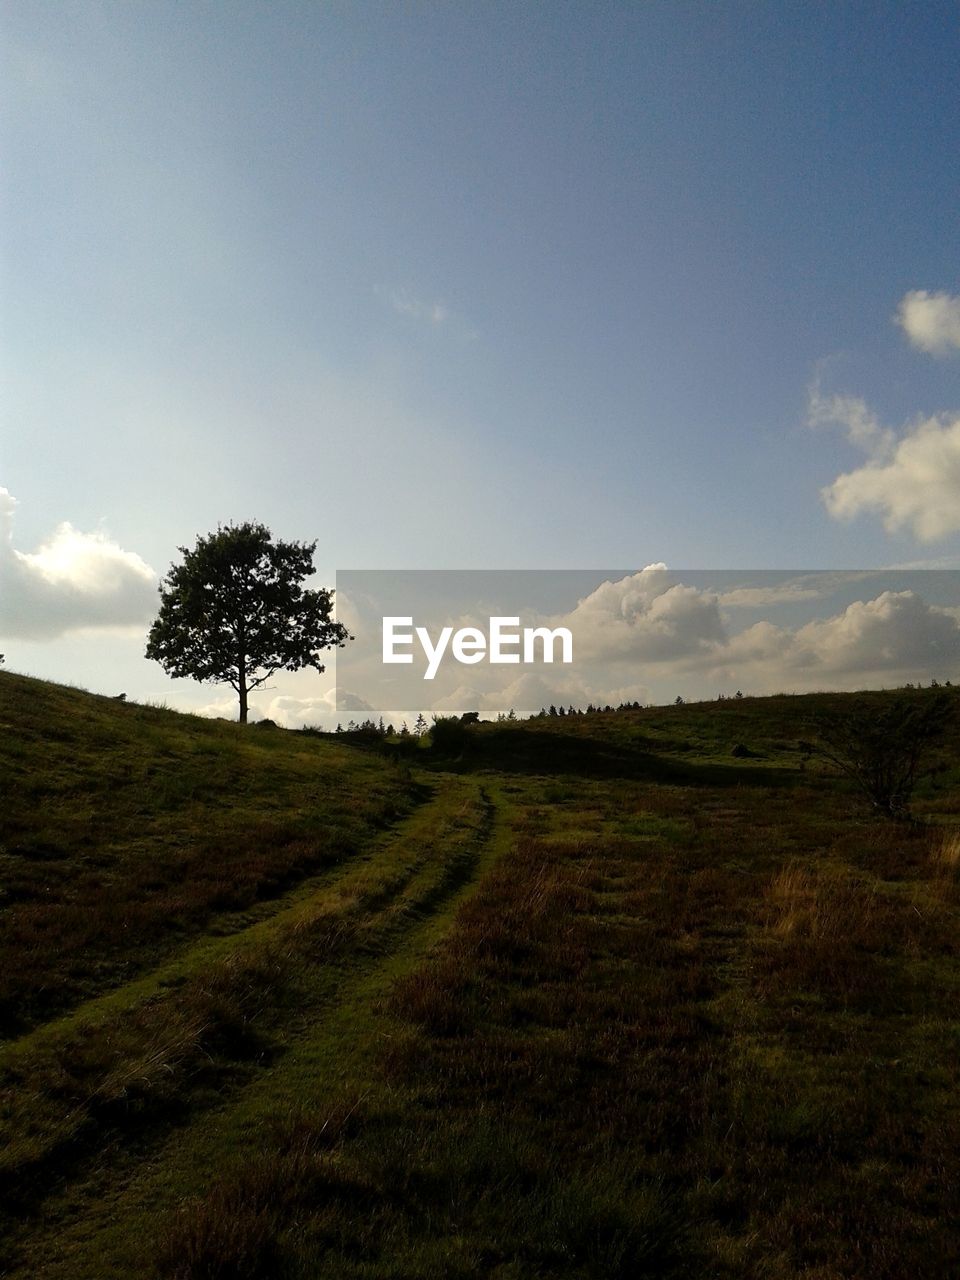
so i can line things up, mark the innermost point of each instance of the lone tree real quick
(885, 750)
(235, 611)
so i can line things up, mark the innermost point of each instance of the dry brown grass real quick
(825, 907)
(941, 890)
(835, 931)
(945, 855)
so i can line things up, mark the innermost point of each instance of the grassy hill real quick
(596, 997)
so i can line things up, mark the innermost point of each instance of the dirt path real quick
(374, 921)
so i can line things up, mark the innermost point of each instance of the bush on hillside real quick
(885, 750)
(448, 735)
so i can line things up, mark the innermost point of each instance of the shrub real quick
(448, 735)
(884, 750)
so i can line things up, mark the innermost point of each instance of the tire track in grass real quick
(93, 1224)
(223, 934)
(57, 1083)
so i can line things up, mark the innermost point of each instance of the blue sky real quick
(498, 285)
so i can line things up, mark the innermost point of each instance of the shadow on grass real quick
(531, 751)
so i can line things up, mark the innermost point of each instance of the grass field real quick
(593, 998)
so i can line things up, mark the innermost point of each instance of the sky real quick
(499, 285)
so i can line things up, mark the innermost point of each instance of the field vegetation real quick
(591, 996)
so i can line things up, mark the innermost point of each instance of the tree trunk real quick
(242, 669)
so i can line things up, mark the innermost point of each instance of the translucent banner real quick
(430, 643)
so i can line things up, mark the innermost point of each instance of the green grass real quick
(593, 998)
(127, 830)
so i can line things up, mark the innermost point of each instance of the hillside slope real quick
(594, 997)
(126, 830)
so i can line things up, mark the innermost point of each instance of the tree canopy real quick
(235, 611)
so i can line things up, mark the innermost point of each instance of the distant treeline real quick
(370, 728)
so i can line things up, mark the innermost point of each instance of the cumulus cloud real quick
(221, 708)
(647, 617)
(931, 321)
(676, 629)
(295, 713)
(896, 636)
(917, 487)
(895, 631)
(911, 481)
(74, 580)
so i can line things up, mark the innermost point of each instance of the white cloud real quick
(645, 617)
(918, 487)
(931, 321)
(294, 713)
(73, 581)
(895, 631)
(457, 701)
(320, 712)
(895, 636)
(861, 425)
(287, 709)
(675, 630)
(222, 708)
(911, 481)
